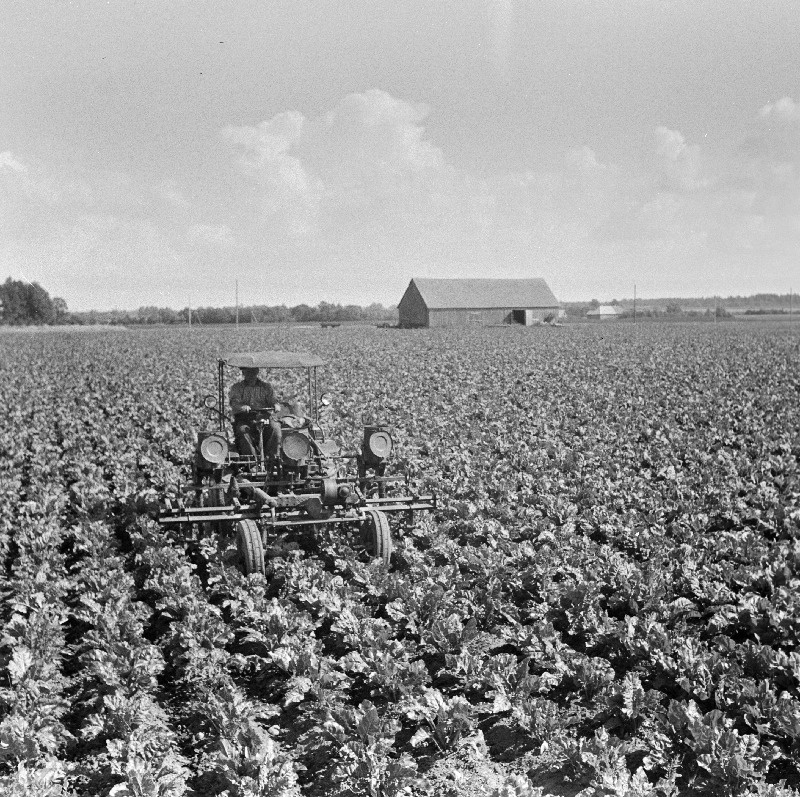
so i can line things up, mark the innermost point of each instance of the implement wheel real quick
(249, 547)
(376, 536)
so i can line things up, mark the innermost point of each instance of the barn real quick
(480, 302)
(604, 312)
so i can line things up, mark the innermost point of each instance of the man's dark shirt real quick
(257, 396)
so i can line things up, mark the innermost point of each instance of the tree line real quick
(324, 312)
(28, 303)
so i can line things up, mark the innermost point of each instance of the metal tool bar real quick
(253, 512)
(315, 480)
(400, 499)
(403, 507)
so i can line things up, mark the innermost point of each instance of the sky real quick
(155, 153)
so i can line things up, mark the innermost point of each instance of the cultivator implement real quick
(259, 519)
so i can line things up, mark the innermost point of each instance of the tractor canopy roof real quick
(272, 359)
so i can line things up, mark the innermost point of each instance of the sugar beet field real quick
(606, 602)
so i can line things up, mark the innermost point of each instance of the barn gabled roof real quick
(452, 294)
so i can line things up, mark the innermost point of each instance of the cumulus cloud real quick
(679, 166)
(10, 163)
(775, 136)
(369, 149)
(289, 194)
(267, 142)
(785, 109)
(372, 134)
(669, 143)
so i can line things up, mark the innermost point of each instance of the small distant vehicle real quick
(311, 484)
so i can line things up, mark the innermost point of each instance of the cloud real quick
(775, 136)
(370, 150)
(10, 163)
(267, 142)
(289, 194)
(785, 109)
(374, 134)
(678, 165)
(669, 143)
(363, 138)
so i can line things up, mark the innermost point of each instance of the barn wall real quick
(412, 309)
(479, 317)
(464, 318)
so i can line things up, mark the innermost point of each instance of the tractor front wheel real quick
(249, 547)
(376, 536)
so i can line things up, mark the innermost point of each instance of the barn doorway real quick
(520, 317)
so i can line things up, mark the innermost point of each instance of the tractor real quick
(310, 483)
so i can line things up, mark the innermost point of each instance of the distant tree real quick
(326, 312)
(594, 304)
(25, 303)
(377, 312)
(673, 308)
(302, 312)
(280, 313)
(60, 309)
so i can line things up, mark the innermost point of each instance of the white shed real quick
(604, 312)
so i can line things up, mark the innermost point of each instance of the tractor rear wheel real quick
(249, 547)
(376, 536)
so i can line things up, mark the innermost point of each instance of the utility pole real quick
(790, 304)
(715, 311)
(237, 304)
(634, 302)
(190, 316)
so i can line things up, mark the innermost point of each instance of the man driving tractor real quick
(252, 401)
(249, 400)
